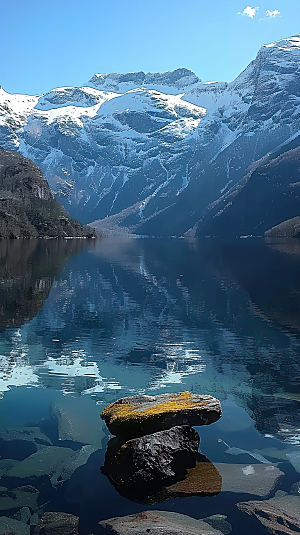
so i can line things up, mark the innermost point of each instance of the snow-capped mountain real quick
(158, 153)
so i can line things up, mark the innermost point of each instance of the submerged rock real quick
(31, 434)
(153, 458)
(219, 522)
(23, 515)
(53, 523)
(136, 416)
(47, 460)
(294, 458)
(239, 451)
(78, 420)
(279, 515)
(154, 522)
(295, 489)
(58, 463)
(255, 479)
(6, 465)
(19, 497)
(10, 526)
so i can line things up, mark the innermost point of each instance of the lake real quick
(85, 322)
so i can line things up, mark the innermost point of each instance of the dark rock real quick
(57, 524)
(154, 522)
(201, 480)
(27, 207)
(153, 458)
(139, 415)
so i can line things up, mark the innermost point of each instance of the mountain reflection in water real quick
(27, 271)
(127, 316)
(118, 317)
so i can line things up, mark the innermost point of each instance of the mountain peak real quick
(288, 43)
(178, 80)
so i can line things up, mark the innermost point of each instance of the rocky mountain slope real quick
(266, 198)
(27, 207)
(162, 153)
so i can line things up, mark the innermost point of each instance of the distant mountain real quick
(27, 207)
(164, 153)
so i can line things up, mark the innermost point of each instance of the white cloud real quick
(249, 12)
(272, 14)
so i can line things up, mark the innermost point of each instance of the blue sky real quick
(64, 42)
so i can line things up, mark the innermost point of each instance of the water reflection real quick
(129, 316)
(27, 271)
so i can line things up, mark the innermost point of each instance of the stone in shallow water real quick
(47, 460)
(53, 523)
(10, 526)
(279, 515)
(274, 453)
(78, 420)
(78, 458)
(295, 489)
(19, 497)
(255, 479)
(23, 515)
(239, 451)
(58, 463)
(153, 458)
(140, 415)
(219, 522)
(6, 465)
(294, 458)
(155, 522)
(31, 434)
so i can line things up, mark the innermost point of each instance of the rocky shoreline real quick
(27, 206)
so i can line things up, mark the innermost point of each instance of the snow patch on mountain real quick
(171, 82)
(149, 139)
(72, 96)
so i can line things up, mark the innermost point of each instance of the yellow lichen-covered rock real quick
(140, 415)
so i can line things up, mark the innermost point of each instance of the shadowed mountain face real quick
(27, 207)
(268, 197)
(163, 153)
(27, 272)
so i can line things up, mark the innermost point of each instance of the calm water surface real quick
(83, 324)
